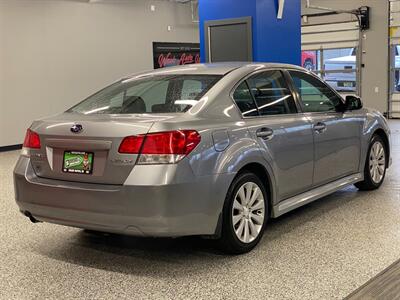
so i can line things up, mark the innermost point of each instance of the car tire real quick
(243, 223)
(308, 65)
(375, 165)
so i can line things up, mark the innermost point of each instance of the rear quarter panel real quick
(216, 113)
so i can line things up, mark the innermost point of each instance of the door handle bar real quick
(265, 133)
(320, 127)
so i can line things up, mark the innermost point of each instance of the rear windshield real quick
(155, 94)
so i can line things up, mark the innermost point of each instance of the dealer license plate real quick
(78, 162)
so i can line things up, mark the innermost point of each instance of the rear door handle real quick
(320, 127)
(265, 133)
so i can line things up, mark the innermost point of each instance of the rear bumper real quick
(168, 210)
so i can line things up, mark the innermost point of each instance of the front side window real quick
(271, 94)
(315, 95)
(153, 94)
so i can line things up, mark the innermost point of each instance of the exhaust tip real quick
(31, 218)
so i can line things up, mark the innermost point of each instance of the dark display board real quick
(173, 54)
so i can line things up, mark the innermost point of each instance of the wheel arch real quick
(262, 173)
(382, 134)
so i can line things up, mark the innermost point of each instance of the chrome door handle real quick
(265, 133)
(320, 127)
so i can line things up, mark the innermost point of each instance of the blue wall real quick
(274, 40)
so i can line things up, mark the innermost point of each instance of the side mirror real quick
(352, 102)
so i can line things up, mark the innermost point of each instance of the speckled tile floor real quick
(324, 250)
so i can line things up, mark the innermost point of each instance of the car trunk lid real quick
(100, 136)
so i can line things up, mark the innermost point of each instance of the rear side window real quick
(271, 93)
(264, 94)
(150, 94)
(244, 100)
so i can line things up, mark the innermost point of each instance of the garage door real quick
(331, 51)
(394, 97)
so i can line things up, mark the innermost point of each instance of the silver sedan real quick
(211, 150)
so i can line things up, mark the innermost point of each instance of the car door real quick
(284, 136)
(336, 133)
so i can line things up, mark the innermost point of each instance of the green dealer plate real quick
(78, 162)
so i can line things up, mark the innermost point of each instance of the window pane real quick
(395, 64)
(153, 94)
(271, 93)
(244, 100)
(309, 60)
(315, 95)
(191, 88)
(336, 60)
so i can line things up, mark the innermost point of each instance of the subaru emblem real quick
(76, 128)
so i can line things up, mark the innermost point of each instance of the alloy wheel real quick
(248, 212)
(377, 162)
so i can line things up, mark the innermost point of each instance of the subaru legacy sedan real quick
(212, 150)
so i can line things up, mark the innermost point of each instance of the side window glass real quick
(244, 100)
(271, 94)
(315, 95)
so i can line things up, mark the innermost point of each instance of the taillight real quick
(171, 142)
(162, 147)
(32, 140)
(131, 144)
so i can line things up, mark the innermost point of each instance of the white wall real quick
(55, 53)
(375, 74)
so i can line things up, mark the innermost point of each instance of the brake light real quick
(161, 147)
(32, 140)
(171, 142)
(131, 144)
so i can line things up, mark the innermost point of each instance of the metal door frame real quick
(214, 23)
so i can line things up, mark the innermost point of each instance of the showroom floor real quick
(324, 250)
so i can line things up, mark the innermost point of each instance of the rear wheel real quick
(244, 215)
(375, 165)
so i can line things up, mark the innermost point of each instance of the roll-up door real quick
(331, 51)
(394, 86)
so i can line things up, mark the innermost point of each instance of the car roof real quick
(212, 68)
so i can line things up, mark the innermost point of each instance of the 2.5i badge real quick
(78, 162)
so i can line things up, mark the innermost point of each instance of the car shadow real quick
(311, 211)
(165, 257)
(149, 257)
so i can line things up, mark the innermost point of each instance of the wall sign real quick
(173, 54)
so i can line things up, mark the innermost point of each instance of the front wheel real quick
(308, 65)
(375, 165)
(244, 215)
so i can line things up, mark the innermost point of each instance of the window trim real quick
(320, 80)
(288, 84)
